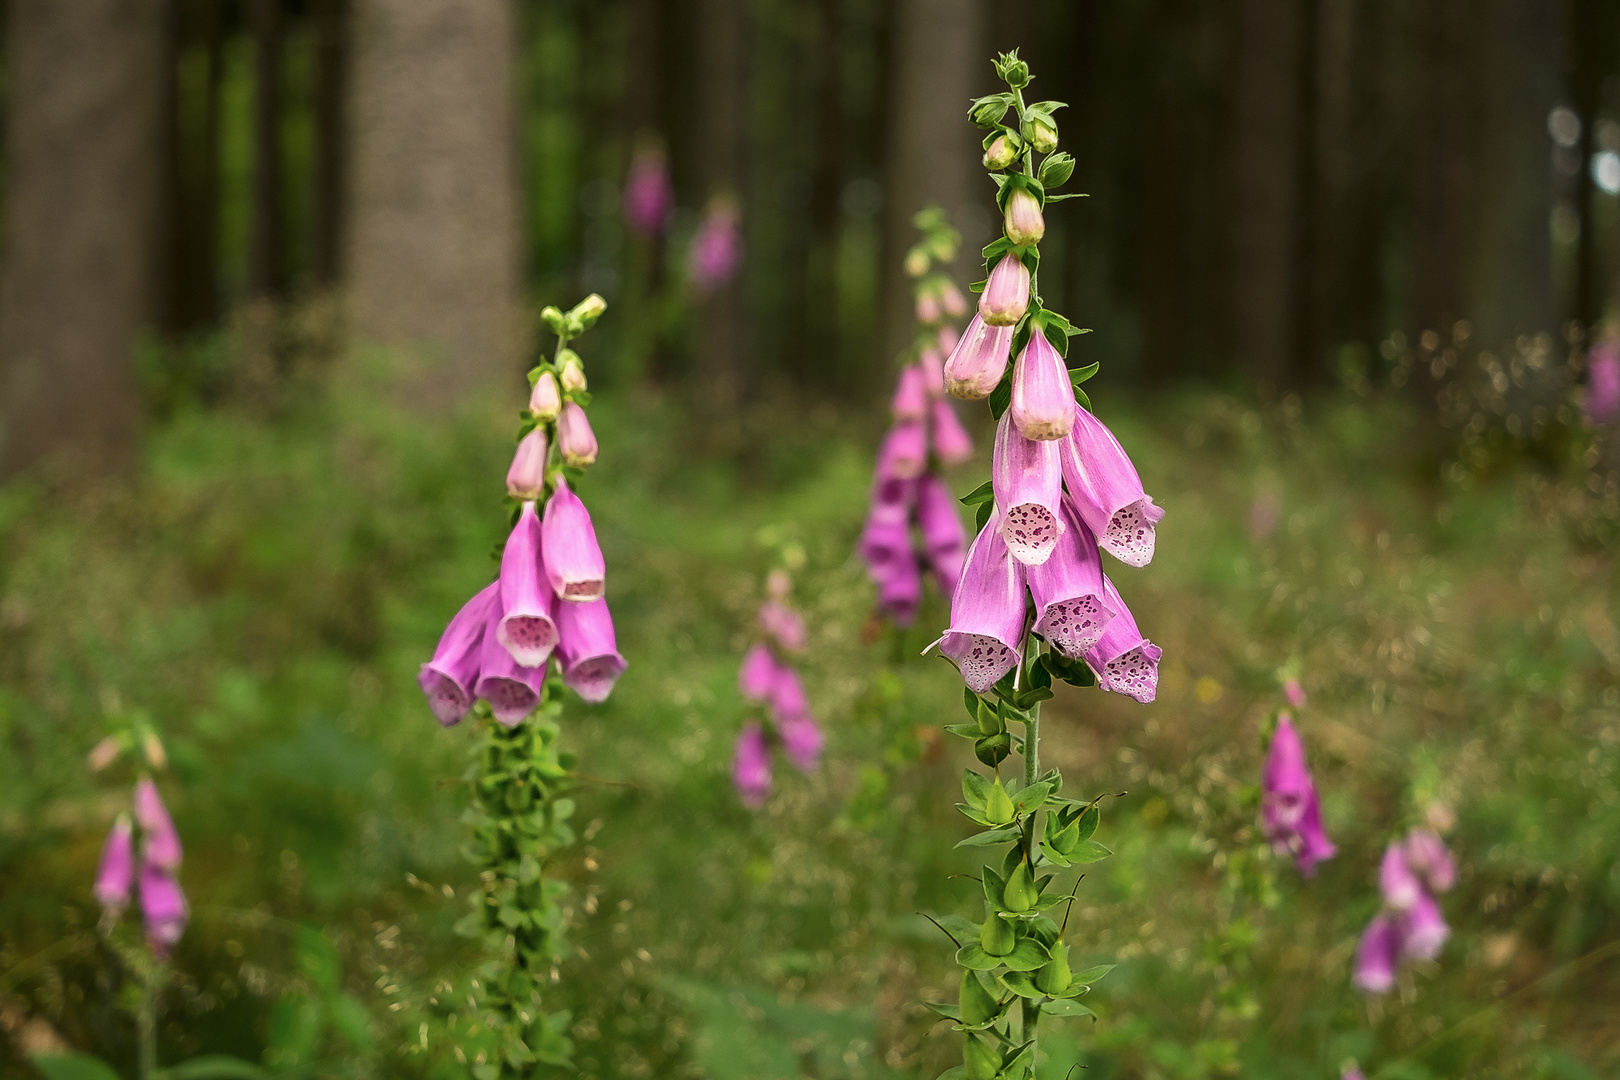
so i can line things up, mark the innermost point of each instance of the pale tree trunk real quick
(82, 260)
(1265, 240)
(433, 242)
(939, 65)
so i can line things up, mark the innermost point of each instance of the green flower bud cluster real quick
(1015, 962)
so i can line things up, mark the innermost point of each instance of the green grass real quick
(264, 588)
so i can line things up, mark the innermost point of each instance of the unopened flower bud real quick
(977, 362)
(527, 476)
(1001, 153)
(1042, 396)
(588, 310)
(952, 300)
(1043, 136)
(545, 400)
(575, 439)
(1024, 222)
(152, 747)
(570, 372)
(105, 752)
(1006, 294)
(778, 584)
(916, 262)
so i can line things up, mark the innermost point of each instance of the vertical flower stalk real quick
(1058, 481)
(767, 679)
(542, 627)
(1414, 871)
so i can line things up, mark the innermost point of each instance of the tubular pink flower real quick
(545, 400)
(901, 591)
(568, 548)
(526, 479)
(1602, 401)
(986, 635)
(751, 766)
(116, 873)
(952, 300)
(905, 450)
(932, 364)
(1043, 404)
(1023, 219)
(1426, 855)
(1070, 606)
(1377, 956)
(944, 540)
(928, 308)
(894, 486)
(784, 625)
(717, 248)
(1294, 693)
(163, 906)
(1124, 660)
(526, 627)
(1396, 881)
(947, 338)
(910, 395)
(801, 739)
(758, 674)
(1289, 809)
(787, 693)
(952, 443)
(1106, 491)
(885, 544)
(160, 843)
(648, 195)
(575, 439)
(1027, 478)
(587, 650)
(977, 361)
(1006, 293)
(512, 689)
(448, 679)
(1423, 929)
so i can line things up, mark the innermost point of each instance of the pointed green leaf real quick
(1065, 1007)
(975, 788)
(1021, 984)
(982, 493)
(1027, 955)
(973, 957)
(1092, 974)
(1002, 835)
(1089, 852)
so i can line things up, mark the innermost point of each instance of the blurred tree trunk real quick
(331, 67)
(816, 343)
(194, 67)
(266, 261)
(433, 241)
(1447, 166)
(1266, 190)
(80, 273)
(1595, 41)
(721, 127)
(939, 64)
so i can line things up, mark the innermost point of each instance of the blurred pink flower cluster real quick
(766, 678)
(154, 871)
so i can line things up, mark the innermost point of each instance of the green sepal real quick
(1093, 974)
(1000, 399)
(1043, 110)
(1028, 955)
(1065, 1006)
(975, 789)
(966, 731)
(553, 318)
(957, 927)
(988, 111)
(979, 1059)
(997, 936)
(1088, 852)
(983, 493)
(985, 510)
(975, 816)
(1068, 195)
(1033, 796)
(1081, 374)
(1021, 893)
(1056, 170)
(992, 750)
(994, 836)
(1020, 983)
(973, 957)
(945, 1009)
(979, 1005)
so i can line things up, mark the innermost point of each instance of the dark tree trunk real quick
(80, 273)
(331, 68)
(192, 209)
(722, 28)
(1266, 203)
(1446, 167)
(266, 258)
(1595, 41)
(817, 348)
(432, 253)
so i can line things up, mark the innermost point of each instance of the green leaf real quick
(1088, 823)
(1065, 1007)
(1085, 400)
(966, 731)
(983, 493)
(957, 927)
(1027, 955)
(975, 788)
(74, 1067)
(212, 1067)
(1081, 374)
(994, 836)
(985, 510)
(992, 750)
(1089, 852)
(1021, 984)
(974, 815)
(973, 957)
(1001, 396)
(1033, 795)
(945, 1009)
(1093, 974)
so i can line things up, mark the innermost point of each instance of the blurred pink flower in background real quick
(648, 195)
(717, 247)
(1603, 381)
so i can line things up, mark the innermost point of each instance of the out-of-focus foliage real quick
(267, 583)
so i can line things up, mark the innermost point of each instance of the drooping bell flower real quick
(944, 539)
(1426, 855)
(904, 453)
(1023, 219)
(116, 872)
(163, 907)
(783, 624)
(572, 558)
(1027, 479)
(1400, 886)
(1043, 404)
(951, 441)
(787, 693)
(986, 635)
(1377, 955)
(1071, 608)
(947, 338)
(526, 479)
(587, 650)
(751, 766)
(894, 486)
(928, 310)
(952, 300)
(648, 195)
(1124, 660)
(1423, 929)
(1107, 492)
(802, 740)
(526, 628)
(932, 364)
(885, 542)
(910, 395)
(900, 592)
(512, 689)
(1290, 811)
(757, 677)
(1006, 293)
(448, 679)
(976, 363)
(160, 842)
(1602, 401)
(575, 439)
(717, 248)
(545, 400)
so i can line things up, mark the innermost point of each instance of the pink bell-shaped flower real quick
(1027, 479)
(572, 558)
(526, 479)
(648, 195)
(944, 540)
(1043, 404)
(160, 842)
(910, 395)
(932, 364)
(1124, 660)
(526, 628)
(986, 635)
(163, 907)
(784, 625)
(757, 677)
(885, 544)
(751, 766)
(1022, 218)
(116, 872)
(1400, 886)
(1006, 293)
(900, 591)
(1377, 955)
(1071, 609)
(952, 444)
(587, 650)
(978, 360)
(1289, 808)
(512, 689)
(1107, 492)
(904, 453)
(1428, 858)
(802, 740)
(576, 442)
(448, 679)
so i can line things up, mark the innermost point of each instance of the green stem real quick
(146, 1027)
